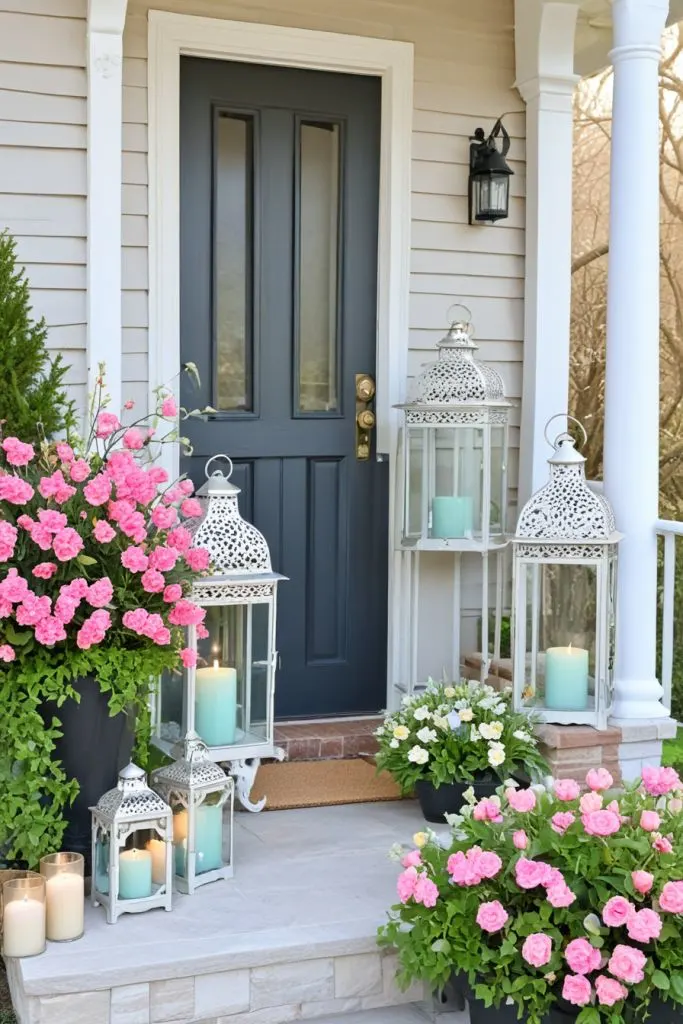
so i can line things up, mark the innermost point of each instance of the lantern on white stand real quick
(228, 696)
(132, 836)
(565, 574)
(201, 797)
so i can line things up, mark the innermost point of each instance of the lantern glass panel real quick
(498, 479)
(456, 479)
(417, 438)
(561, 635)
(490, 196)
(210, 827)
(170, 706)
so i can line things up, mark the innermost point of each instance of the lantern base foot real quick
(244, 773)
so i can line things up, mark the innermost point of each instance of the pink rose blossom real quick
(186, 613)
(537, 949)
(32, 609)
(107, 423)
(136, 620)
(67, 544)
(79, 470)
(157, 474)
(582, 957)
(52, 520)
(601, 823)
(609, 991)
(180, 539)
(93, 630)
(487, 810)
(520, 840)
(202, 632)
(590, 802)
(172, 593)
(152, 581)
(172, 495)
(6, 609)
(531, 873)
(163, 558)
(566, 789)
(521, 800)
(197, 559)
(76, 589)
(103, 532)
(661, 843)
(14, 587)
(169, 409)
(98, 491)
(50, 631)
(40, 535)
(489, 864)
(15, 490)
(642, 881)
(8, 540)
(644, 926)
(561, 821)
(617, 911)
(133, 439)
(134, 559)
(650, 821)
(164, 518)
(464, 868)
(413, 859)
(18, 453)
(671, 899)
(55, 486)
(133, 526)
(660, 781)
(100, 592)
(405, 884)
(65, 608)
(598, 779)
(576, 990)
(190, 508)
(491, 917)
(65, 452)
(7, 653)
(627, 963)
(426, 892)
(186, 486)
(130, 404)
(560, 895)
(45, 570)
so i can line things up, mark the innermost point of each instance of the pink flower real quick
(426, 892)
(79, 470)
(566, 789)
(576, 990)
(100, 592)
(50, 631)
(169, 409)
(14, 490)
(202, 631)
(627, 963)
(32, 609)
(163, 558)
(18, 453)
(14, 587)
(134, 559)
(103, 532)
(531, 873)
(590, 802)
(7, 653)
(491, 917)
(130, 404)
(133, 439)
(67, 544)
(464, 868)
(644, 926)
(56, 487)
(40, 535)
(6, 608)
(609, 991)
(65, 608)
(52, 520)
(561, 821)
(180, 539)
(650, 821)
(107, 423)
(186, 486)
(197, 559)
(675, 805)
(98, 491)
(489, 864)
(582, 957)
(190, 508)
(133, 526)
(186, 613)
(172, 495)
(599, 778)
(8, 540)
(521, 800)
(659, 781)
(601, 823)
(65, 452)
(164, 518)
(661, 844)
(520, 840)
(152, 581)
(617, 911)
(560, 895)
(136, 620)
(45, 570)
(157, 474)
(405, 884)
(76, 589)
(537, 949)
(642, 881)
(413, 859)
(487, 810)
(671, 899)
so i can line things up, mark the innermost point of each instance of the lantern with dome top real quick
(564, 570)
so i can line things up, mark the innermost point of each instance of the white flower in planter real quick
(401, 732)
(418, 755)
(426, 735)
(466, 714)
(443, 722)
(394, 744)
(449, 691)
(422, 714)
(496, 754)
(520, 734)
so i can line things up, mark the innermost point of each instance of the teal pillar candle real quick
(215, 714)
(452, 517)
(566, 678)
(208, 839)
(135, 874)
(101, 867)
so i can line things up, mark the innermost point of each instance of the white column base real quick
(637, 699)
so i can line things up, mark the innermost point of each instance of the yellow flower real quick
(401, 732)
(466, 715)
(449, 692)
(496, 730)
(496, 756)
(420, 839)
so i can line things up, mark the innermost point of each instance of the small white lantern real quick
(228, 697)
(201, 797)
(565, 569)
(132, 837)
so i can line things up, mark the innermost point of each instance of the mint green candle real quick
(135, 874)
(566, 678)
(215, 713)
(452, 517)
(208, 839)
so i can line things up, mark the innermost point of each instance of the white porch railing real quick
(669, 629)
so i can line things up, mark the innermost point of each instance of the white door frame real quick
(173, 35)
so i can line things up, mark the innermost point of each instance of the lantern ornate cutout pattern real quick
(132, 835)
(201, 797)
(227, 698)
(565, 570)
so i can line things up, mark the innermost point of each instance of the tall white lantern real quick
(228, 697)
(565, 575)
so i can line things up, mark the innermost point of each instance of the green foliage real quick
(672, 751)
(34, 788)
(451, 733)
(34, 400)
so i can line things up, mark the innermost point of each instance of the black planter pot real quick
(562, 1013)
(93, 749)
(435, 802)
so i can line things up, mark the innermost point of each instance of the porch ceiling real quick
(594, 34)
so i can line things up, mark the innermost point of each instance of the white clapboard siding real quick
(43, 117)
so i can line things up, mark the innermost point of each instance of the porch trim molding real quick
(106, 19)
(171, 36)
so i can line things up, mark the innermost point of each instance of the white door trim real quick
(172, 35)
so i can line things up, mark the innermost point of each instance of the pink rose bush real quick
(574, 895)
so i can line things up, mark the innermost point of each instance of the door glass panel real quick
(233, 190)
(318, 267)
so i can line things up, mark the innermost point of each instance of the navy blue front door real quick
(279, 210)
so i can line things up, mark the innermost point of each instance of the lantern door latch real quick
(365, 416)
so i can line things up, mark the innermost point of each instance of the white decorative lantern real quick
(201, 797)
(565, 569)
(132, 837)
(228, 698)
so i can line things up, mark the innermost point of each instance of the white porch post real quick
(544, 44)
(105, 59)
(632, 384)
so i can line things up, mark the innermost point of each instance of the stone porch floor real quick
(291, 937)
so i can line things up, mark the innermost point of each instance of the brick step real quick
(328, 739)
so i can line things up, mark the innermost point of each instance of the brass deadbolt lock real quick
(366, 419)
(365, 387)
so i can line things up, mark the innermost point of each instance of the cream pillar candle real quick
(64, 896)
(23, 919)
(157, 847)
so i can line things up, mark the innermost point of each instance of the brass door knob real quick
(366, 419)
(365, 387)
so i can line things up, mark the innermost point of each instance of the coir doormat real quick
(321, 784)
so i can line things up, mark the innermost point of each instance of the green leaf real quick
(86, 560)
(661, 981)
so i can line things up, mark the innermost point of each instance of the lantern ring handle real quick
(460, 305)
(214, 458)
(564, 416)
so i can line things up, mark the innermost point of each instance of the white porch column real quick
(105, 59)
(544, 44)
(632, 383)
